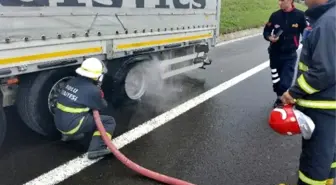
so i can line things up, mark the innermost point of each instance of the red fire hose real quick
(135, 167)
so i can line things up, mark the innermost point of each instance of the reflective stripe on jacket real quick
(315, 85)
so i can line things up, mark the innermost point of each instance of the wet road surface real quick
(225, 140)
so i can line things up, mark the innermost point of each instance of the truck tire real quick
(3, 125)
(32, 100)
(116, 79)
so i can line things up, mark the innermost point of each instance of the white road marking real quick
(76, 165)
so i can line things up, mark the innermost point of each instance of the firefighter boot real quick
(330, 182)
(72, 137)
(97, 148)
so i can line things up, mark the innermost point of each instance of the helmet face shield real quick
(306, 124)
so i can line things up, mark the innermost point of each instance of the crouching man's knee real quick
(109, 123)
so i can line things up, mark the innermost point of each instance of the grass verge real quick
(238, 15)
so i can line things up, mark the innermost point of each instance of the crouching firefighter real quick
(314, 93)
(286, 24)
(81, 95)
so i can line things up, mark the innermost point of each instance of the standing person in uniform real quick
(81, 95)
(289, 22)
(314, 94)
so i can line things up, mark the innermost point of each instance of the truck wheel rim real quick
(53, 93)
(135, 83)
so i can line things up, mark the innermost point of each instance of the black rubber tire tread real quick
(32, 100)
(3, 126)
(116, 79)
(119, 93)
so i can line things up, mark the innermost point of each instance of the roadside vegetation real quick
(238, 15)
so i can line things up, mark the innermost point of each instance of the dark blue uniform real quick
(282, 53)
(73, 116)
(315, 95)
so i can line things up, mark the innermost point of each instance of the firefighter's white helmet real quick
(91, 68)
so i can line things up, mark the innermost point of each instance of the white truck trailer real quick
(43, 41)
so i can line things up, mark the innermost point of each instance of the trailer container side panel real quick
(74, 18)
(30, 55)
(21, 60)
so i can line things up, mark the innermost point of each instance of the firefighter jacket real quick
(292, 23)
(77, 99)
(315, 85)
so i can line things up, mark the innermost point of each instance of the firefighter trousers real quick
(282, 70)
(87, 125)
(318, 156)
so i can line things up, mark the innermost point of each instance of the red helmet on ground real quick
(288, 121)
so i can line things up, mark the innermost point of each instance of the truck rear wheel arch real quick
(32, 100)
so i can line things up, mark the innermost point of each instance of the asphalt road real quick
(225, 140)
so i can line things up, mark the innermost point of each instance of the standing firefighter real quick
(286, 25)
(73, 116)
(314, 94)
